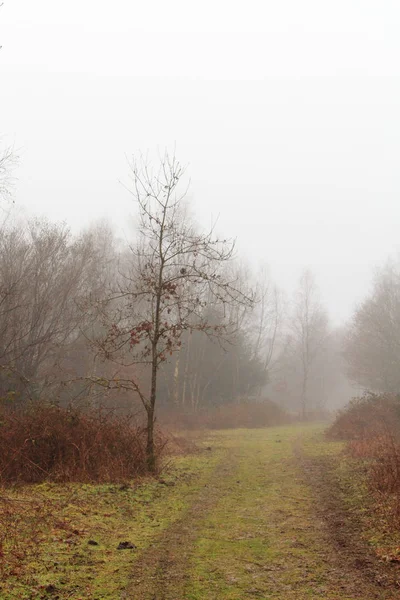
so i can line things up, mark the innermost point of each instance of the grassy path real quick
(269, 513)
(262, 527)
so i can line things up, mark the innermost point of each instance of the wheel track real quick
(161, 571)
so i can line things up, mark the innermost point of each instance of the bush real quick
(229, 416)
(367, 416)
(371, 426)
(49, 443)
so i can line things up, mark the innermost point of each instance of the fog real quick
(285, 114)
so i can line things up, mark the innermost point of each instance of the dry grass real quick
(371, 427)
(23, 525)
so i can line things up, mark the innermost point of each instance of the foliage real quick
(365, 416)
(44, 274)
(207, 372)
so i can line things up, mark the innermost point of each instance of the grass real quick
(376, 522)
(68, 566)
(362, 504)
(241, 521)
(261, 540)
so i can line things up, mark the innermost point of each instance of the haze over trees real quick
(172, 318)
(170, 314)
(119, 336)
(372, 344)
(8, 161)
(177, 281)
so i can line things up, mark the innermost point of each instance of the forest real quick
(172, 321)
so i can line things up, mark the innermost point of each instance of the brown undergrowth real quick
(49, 443)
(249, 415)
(341, 507)
(371, 427)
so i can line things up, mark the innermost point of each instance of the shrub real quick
(367, 416)
(371, 426)
(49, 443)
(229, 416)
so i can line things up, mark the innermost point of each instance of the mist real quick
(285, 118)
(199, 299)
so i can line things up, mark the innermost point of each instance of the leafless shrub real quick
(230, 416)
(371, 426)
(49, 443)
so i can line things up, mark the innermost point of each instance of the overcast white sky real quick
(286, 111)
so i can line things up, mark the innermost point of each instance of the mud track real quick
(161, 573)
(336, 562)
(361, 573)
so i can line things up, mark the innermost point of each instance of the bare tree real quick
(372, 345)
(43, 274)
(309, 330)
(174, 274)
(8, 161)
(266, 320)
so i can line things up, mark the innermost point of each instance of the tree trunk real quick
(197, 397)
(304, 397)
(150, 453)
(176, 378)
(186, 372)
(193, 387)
(150, 450)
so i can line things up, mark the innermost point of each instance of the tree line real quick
(172, 318)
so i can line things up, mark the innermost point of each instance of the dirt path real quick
(161, 572)
(269, 523)
(362, 575)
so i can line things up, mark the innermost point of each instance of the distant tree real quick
(266, 321)
(308, 331)
(8, 160)
(208, 373)
(174, 276)
(372, 344)
(44, 272)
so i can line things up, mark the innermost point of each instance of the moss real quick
(106, 514)
(258, 535)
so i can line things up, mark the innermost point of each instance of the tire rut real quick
(364, 576)
(161, 571)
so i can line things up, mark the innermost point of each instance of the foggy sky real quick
(286, 113)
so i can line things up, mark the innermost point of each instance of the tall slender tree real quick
(309, 330)
(175, 274)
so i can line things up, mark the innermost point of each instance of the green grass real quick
(258, 536)
(106, 514)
